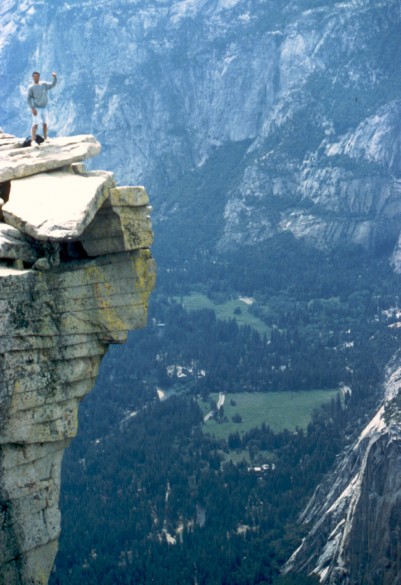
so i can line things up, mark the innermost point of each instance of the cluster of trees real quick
(137, 482)
(240, 359)
(320, 343)
(162, 478)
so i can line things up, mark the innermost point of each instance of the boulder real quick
(56, 205)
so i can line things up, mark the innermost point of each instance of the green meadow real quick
(278, 410)
(233, 309)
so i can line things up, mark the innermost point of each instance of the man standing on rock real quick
(37, 100)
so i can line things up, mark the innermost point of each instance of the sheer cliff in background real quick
(245, 119)
(305, 95)
(75, 276)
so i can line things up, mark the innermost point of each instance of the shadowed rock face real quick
(75, 276)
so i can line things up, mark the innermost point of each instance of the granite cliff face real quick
(306, 91)
(353, 519)
(75, 275)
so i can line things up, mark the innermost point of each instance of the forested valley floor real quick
(154, 490)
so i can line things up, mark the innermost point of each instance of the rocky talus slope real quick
(75, 275)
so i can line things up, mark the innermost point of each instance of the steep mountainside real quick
(307, 90)
(354, 517)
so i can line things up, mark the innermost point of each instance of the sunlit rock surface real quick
(16, 162)
(75, 275)
(352, 521)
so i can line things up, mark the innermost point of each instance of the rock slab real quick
(17, 162)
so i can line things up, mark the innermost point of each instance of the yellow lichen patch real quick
(145, 274)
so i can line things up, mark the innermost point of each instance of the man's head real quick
(36, 76)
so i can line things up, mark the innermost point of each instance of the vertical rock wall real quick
(63, 300)
(352, 521)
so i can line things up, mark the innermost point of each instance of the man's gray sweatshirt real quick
(37, 93)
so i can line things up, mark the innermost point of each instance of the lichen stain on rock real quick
(19, 316)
